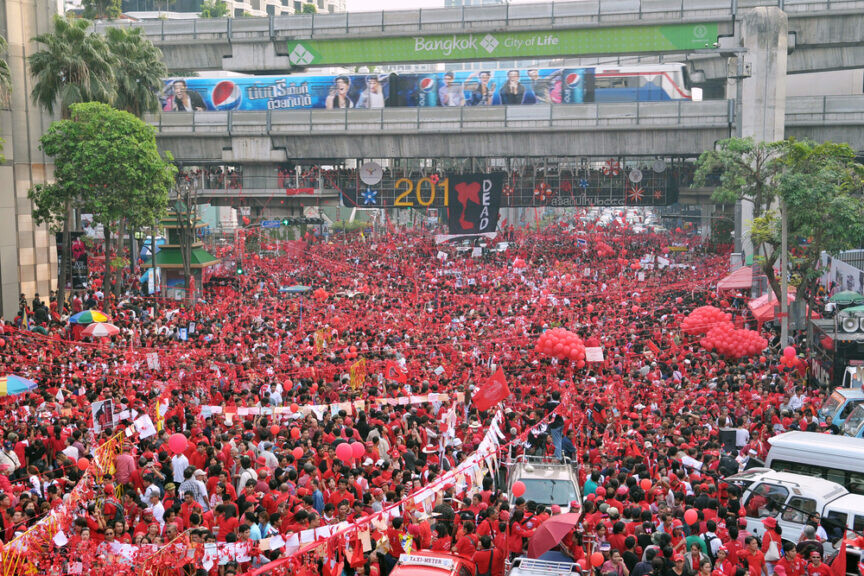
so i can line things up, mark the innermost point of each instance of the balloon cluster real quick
(320, 294)
(703, 319)
(732, 343)
(790, 358)
(603, 250)
(562, 344)
(519, 263)
(350, 353)
(348, 452)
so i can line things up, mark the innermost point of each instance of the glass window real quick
(834, 475)
(858, 523)
(799, 509)
(835, 524)
(766, 500)
(856, 482)
(847, 409)
(549, 492)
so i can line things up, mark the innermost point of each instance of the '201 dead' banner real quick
(473, 202)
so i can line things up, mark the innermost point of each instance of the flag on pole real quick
(838, 567)
(493, 391)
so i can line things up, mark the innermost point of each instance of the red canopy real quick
(740, 279)
(763, 306)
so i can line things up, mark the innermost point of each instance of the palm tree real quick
(73, 65)
(139, 70)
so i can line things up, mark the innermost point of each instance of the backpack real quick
(708, 541)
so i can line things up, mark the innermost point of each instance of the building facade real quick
(28, 257)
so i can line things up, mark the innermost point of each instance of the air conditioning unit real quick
(851, 322)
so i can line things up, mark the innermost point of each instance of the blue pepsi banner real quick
(461, 88)
(275, 92)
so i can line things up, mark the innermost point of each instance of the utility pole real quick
(784, 282)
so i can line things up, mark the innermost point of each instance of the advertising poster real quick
(275, 92)
(80, 266)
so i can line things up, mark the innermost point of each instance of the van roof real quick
(850, 392)
(824, 489)
(822, 443)
(849, 502)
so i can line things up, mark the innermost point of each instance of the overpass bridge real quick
(825, 35)
(677, 128)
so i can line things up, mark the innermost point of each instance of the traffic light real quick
(239, 270)
(285, 222)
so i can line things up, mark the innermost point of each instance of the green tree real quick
(72, 65)
(106, 162)
(214, 9)
(138, 72)
(746, 171)
(102, 9)
(310, 8)
(821, 186)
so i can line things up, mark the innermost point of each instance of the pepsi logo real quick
(573, 79)
(427, 84)
(226, 96)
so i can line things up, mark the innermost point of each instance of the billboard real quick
(275, 92)
(460, 88)
(495, 87)
(502, 45)
(475, 200)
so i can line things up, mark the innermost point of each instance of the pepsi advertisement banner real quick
(275, 92)
(461, 88)
(495, 87)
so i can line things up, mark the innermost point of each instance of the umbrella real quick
(10, 385)
(847, 297)
(297, 289)
(551, 532)
(88, 317)
(100, 330)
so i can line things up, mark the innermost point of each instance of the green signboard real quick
(502, 45)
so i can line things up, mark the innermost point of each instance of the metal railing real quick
(647, 115)
(468, 18)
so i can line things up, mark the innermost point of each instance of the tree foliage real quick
(214, 9)
(102, 9)
(139, 71)
(72, 65)
(106, 163)
(309, 8)
(746, 171)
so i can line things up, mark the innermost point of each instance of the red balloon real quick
(297, 452)
(83, 464)
(691, 516)
(2, 342)
(597, 559)
(177, 443)
(343, 452)
(518, 488)
(357, 449)
(274, 430)
(294, 407)
(295, 433)
(645, 484)
(590, 308)
(789, 352)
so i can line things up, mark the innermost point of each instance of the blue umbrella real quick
(297, 289)
(10, 385)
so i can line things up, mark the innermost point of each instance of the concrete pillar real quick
(28, 257)
(764, 34)
(706, 211)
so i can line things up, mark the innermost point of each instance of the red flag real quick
(838, 567)
(653, 347)
(392, 371)
(495, 390)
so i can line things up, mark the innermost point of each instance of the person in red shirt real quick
(816, 567)
(754, 558)
(791, 563)
(466, 545)
(485, 558)
(722, 566)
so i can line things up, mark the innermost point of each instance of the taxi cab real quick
(432, 564)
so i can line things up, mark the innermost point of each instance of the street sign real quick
(271, 223)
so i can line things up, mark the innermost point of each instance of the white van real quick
(793, 498)
(839, 459)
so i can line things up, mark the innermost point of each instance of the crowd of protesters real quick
(642, 426)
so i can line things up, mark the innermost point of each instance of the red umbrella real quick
(551, 532)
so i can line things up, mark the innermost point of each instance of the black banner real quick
(474, 201)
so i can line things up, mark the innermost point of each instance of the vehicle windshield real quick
(543, 491)
(829, 408)
(853, 421)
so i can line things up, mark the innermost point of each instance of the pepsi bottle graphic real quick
(427, 91)
(573, 83)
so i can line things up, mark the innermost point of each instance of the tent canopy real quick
(740, 279)
(763, 306)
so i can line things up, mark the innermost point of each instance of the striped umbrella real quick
(100, 330)
(10, 385)
(88, 317)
